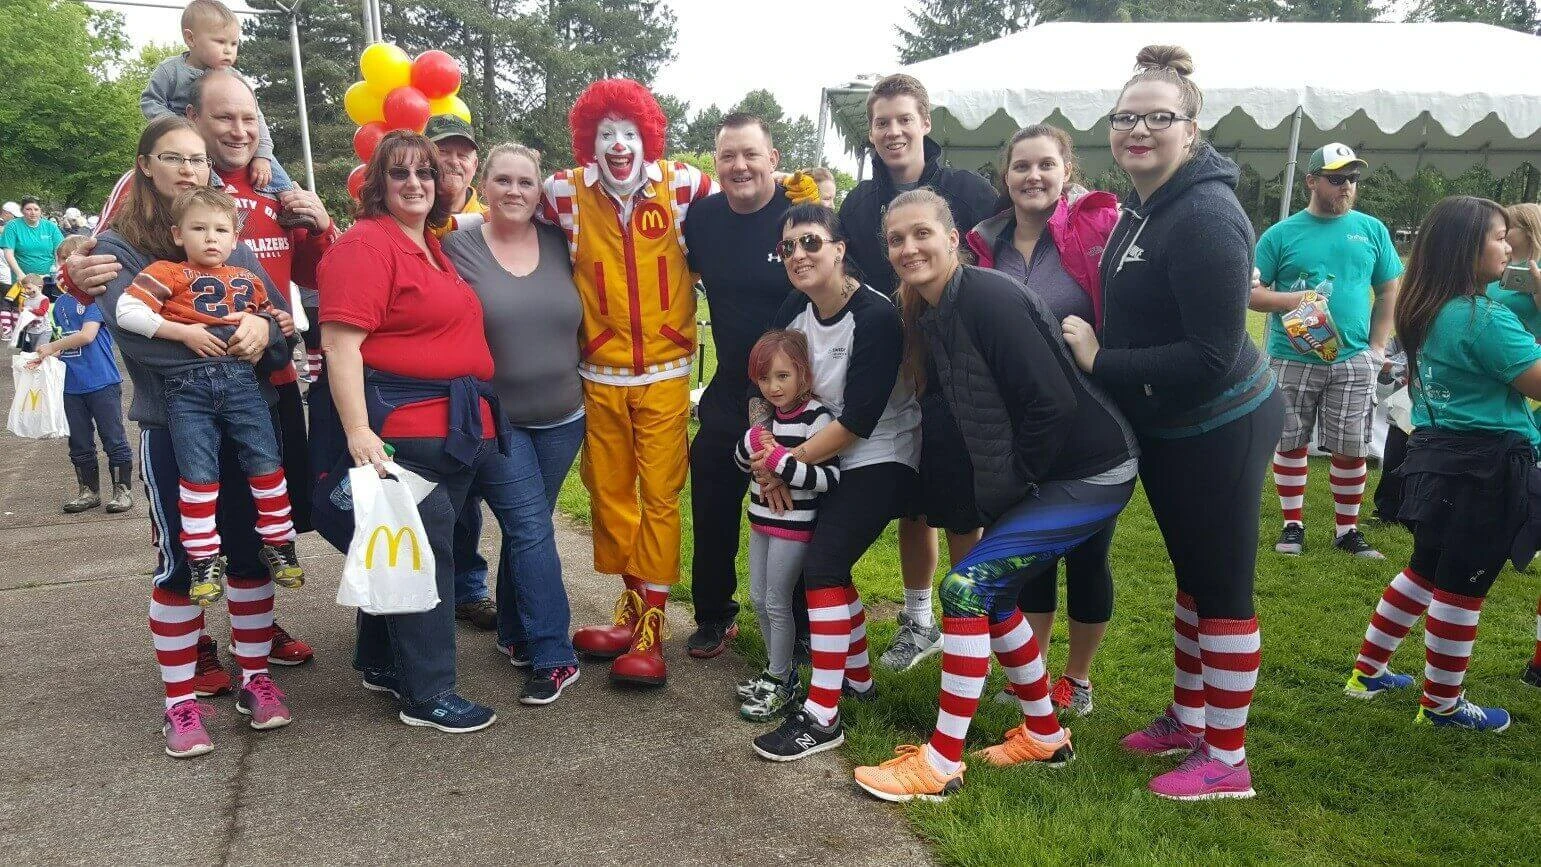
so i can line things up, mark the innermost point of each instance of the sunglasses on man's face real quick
(401, 173)
(810, 243)
(1340, 180)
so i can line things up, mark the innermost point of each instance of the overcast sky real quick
(723, 51)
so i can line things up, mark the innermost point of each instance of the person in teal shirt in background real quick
(1346, 256)
(30, 242)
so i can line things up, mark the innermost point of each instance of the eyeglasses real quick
(177, 160)
(810, 243)
(424, 173)
(1340, 180)
(1154, 120)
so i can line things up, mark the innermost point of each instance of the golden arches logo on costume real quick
(652, 220)
(34, 397)
(393, 542)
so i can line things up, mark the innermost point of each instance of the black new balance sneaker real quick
(800, 735)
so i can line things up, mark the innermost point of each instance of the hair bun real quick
(1173, 57)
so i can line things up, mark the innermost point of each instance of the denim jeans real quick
(215, 401)
(420, 648)
(102, 409)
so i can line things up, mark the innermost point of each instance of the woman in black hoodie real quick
(1175, 354)
(1053, 464)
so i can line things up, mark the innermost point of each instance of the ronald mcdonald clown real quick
(623, 211)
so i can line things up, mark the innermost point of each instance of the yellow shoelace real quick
(653, 628)
(628, 608)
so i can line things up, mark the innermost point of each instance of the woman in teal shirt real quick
(1471, 364)
(30, 242)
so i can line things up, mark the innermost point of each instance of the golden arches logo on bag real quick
(33, 398)
(393, 547)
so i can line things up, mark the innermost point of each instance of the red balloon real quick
(367, 138)
(436, 74)
(406, 108)
(356, 182)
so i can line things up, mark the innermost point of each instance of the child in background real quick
(779, 364)
(32, 325)
(213, 37)
(93, 397)
(198, 303)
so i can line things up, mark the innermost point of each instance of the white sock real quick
(917, 604)
(940, 764)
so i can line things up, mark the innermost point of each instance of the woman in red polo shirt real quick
(408, 364)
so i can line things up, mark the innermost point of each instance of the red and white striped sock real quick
(1016, 647)
(271, 494)
(655, 595)
(1536, 660)
(1448, 636)
(858, 664)
(1290, 470)
(829, 643)
(965, 665)
(7, 321)
(196, 502)
(313, 362)
(1405, 600)
(1232, 651)
(251, 624)
(1347, 476)
(1188, 678)
(175, 624)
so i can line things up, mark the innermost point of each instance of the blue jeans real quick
(102, 409)
(420, 648)
(215, 401)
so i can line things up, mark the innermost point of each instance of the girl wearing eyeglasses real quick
(855, 344)
(1174, 352)
(408, 364)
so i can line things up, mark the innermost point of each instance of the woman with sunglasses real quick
(1174, 353)
(855, 343)
(408, 365)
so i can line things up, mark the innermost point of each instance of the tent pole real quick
(823, 121)
(861, 165)
(1289, 168)
(299, 93)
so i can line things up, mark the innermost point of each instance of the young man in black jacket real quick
(899, 120)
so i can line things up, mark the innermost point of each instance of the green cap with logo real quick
(1334, 157)
(443, 126)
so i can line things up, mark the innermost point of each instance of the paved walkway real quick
(600, 777)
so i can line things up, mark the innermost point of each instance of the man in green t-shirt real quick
(1346, 257)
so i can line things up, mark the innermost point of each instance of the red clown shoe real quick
(643, 664)
(608, 642)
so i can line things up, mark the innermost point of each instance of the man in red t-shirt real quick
(288, 231)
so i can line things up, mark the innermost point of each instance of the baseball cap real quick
(13, 209)
(1332, 157)
(443, 126)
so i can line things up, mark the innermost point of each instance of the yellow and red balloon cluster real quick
(398, 92)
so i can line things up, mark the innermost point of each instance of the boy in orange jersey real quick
(200, 303)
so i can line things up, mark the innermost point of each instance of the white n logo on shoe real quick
(807, 741)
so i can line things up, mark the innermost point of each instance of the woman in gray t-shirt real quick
(521, 272)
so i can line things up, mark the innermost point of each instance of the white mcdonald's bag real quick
(37, 410)
(390, 565)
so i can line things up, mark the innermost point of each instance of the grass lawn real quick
(1339, 781)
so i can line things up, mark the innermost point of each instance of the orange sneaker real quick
(908, 776)
(1020, 746)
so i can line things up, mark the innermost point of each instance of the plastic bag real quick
(390, 564)
(37, 409)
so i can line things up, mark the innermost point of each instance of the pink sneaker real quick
(263, 701)
(1165, 736)
(185, 735)
(1201, 778)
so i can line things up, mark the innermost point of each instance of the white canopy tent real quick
(1405, 96)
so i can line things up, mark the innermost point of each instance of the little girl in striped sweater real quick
(779, 364)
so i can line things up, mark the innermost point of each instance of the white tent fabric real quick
(1404, 95)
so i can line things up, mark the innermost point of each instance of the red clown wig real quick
(621, 97)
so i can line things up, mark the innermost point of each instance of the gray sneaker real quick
(911, 645)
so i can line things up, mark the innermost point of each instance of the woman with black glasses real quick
(1174, 353)
(855, 343)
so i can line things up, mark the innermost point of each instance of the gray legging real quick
(775, 565)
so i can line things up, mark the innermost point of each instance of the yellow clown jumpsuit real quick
(638, 341)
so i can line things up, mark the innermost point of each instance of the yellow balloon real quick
(450, 105)
(363, 104)
(385, 67)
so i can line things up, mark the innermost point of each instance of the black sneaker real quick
(480, 613)
(1532, 674)
(1353, 542)
(799, 736)
(711, 639)
(518, 654)
(381, 681)
(545, 685)
(207, 585)
(451, 714)
(283, 564)
(851, 692)
(1292, 541)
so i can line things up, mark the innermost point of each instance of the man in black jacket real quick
(899, 119)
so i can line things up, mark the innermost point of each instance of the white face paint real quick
(618, 148)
